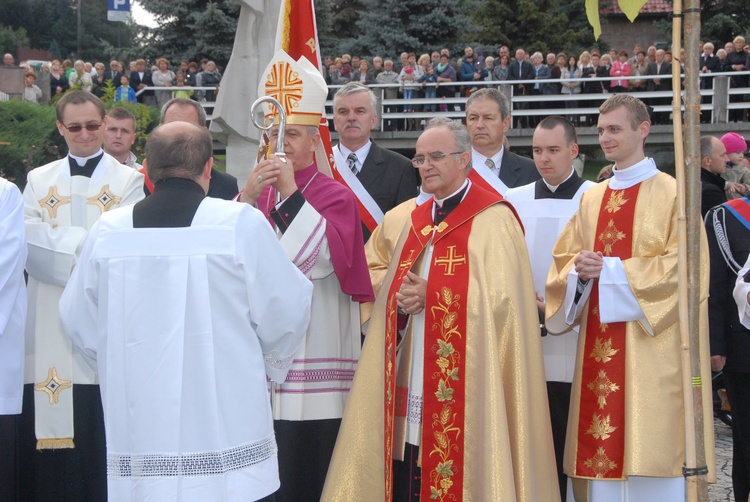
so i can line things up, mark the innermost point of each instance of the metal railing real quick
(717, 100)
(718, 103)
(207, 105)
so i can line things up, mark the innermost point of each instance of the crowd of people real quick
(95, 78)
(182, 338)
(434, 75)
(431, 74)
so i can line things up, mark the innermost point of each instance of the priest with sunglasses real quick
(61, 452)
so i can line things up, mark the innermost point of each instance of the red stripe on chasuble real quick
(445, 342)
(413, 247)
(444, 394)
(601, 419)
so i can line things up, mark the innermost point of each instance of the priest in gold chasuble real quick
(614, 272)
(449, 399)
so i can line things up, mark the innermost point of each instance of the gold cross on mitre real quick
(450, 261)
(298, 86)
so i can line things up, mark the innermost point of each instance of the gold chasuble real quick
(380, 246)
(483, 369)
(626, 411)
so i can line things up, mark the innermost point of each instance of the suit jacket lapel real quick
(509, 169)
(371, 168)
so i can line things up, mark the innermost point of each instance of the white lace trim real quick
(274, 360)
(191, 464)
(414, 412)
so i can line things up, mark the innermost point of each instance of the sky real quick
(141, 16)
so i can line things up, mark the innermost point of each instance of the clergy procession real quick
(505, 331)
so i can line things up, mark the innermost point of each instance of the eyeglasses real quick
(78, 128)
(434, 157)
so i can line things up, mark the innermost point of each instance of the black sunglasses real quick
(78, 128)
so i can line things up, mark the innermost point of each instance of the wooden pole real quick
(689, 221)
(78, 31)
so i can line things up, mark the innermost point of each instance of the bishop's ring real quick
(260, 179)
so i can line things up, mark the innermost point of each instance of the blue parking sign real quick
(118, 10)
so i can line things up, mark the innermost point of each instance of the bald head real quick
(179, 150)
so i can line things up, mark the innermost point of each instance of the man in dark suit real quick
(113, 74)
(713, 163)
(488, 118)
(660, 67)
(520, 69)
(388, 178)
(709, 63)
(222, 185)
(141, 78)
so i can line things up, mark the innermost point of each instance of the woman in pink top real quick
(620, 68)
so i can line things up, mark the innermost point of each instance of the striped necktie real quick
(491, 165)
(352, 161)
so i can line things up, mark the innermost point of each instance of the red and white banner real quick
(297, 35)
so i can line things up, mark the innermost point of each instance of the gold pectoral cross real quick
(450, 261)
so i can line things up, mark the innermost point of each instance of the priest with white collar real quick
(545, 207)
(62, 415)
(452, 360)
(614, 273)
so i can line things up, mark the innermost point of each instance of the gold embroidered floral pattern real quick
(603, 351)
(600, 427)
(610, 236)
(616, 201)
(53, 386)
(600, 463)
(602, 386)
(104, 199)
(446, 432)
(52, 202)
